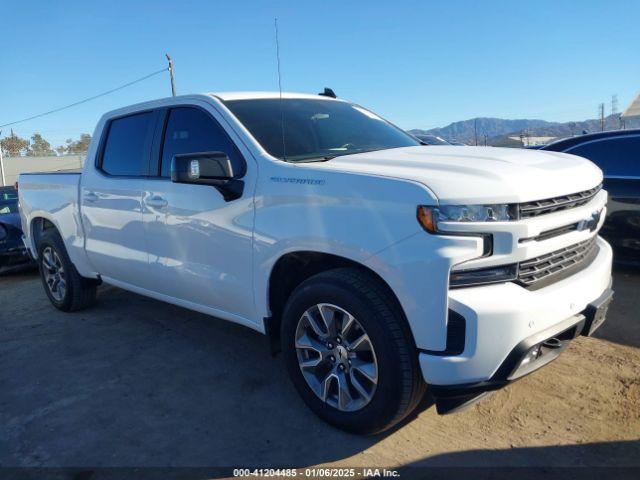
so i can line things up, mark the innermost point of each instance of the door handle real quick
(156, 202)
(91, 197)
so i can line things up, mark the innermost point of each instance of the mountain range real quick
(498, 130)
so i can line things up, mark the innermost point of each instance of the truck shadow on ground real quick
(137, 382)
(590, 460)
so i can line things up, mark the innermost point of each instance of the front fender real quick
(367, 219)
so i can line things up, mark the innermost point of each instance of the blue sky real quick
(420, 64)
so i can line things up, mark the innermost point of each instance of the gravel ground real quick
(135, 382)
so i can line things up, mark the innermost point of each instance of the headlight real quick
(429, 217)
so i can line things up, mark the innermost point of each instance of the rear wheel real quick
(349, 351)
(66, 289)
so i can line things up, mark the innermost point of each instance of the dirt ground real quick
(134, 382)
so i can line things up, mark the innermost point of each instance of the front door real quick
(199, 245)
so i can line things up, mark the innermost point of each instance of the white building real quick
(11, 167)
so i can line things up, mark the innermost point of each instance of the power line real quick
(85, 100)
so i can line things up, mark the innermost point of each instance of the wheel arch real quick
(41, 222)
(38, 225)
(293, 268)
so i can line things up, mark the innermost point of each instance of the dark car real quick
(12, 251)
(617, 153)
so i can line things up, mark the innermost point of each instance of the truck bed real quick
(53, 197)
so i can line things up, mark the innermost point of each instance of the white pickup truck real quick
(377, 265)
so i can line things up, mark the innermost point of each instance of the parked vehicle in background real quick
(13, 253)
(617, 153)
(376, 264)
(430, 139)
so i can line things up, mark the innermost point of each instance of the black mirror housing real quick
(207, 168)
(201, 167)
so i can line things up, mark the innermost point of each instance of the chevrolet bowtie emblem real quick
(591, 223)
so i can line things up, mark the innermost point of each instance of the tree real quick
(14, 146)
(75, 147)
(39, 147)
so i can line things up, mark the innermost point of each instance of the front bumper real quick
(501, 319)
(14, 257)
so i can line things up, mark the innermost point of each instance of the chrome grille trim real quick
(550, 267)
(555, 232)
(555, 204)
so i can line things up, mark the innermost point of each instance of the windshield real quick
(316, 129)
(8, 201)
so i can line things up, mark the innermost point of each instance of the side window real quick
(615, 156)
(126, 150)
(191, 130)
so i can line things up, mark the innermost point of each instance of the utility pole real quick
(614, 109)
(485, 139)
(601, 108)
(4, 181)
(173, 82)
(475, 130)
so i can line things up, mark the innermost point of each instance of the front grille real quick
(550, 205)
(555, 232)
(552, 267)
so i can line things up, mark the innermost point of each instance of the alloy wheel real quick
(336, 357)
(54, 274)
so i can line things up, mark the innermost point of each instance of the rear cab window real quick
(126, 150)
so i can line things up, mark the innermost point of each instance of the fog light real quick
(531, 355)
(479, 276)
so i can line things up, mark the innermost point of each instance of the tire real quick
(357, 294)
(78, 292)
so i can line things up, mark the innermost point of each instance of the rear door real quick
(111, 200)
(199, 244)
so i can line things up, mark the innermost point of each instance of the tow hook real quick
(552, 343)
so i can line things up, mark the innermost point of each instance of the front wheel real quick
(349, 351)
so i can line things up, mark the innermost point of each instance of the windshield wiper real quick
(322, 158)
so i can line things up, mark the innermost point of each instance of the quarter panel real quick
(54, 197)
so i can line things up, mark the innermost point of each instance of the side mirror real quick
(207, 168)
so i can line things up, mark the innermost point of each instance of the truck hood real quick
(459, 175)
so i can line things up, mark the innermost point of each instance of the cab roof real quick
(221, 96)
(225, 96)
